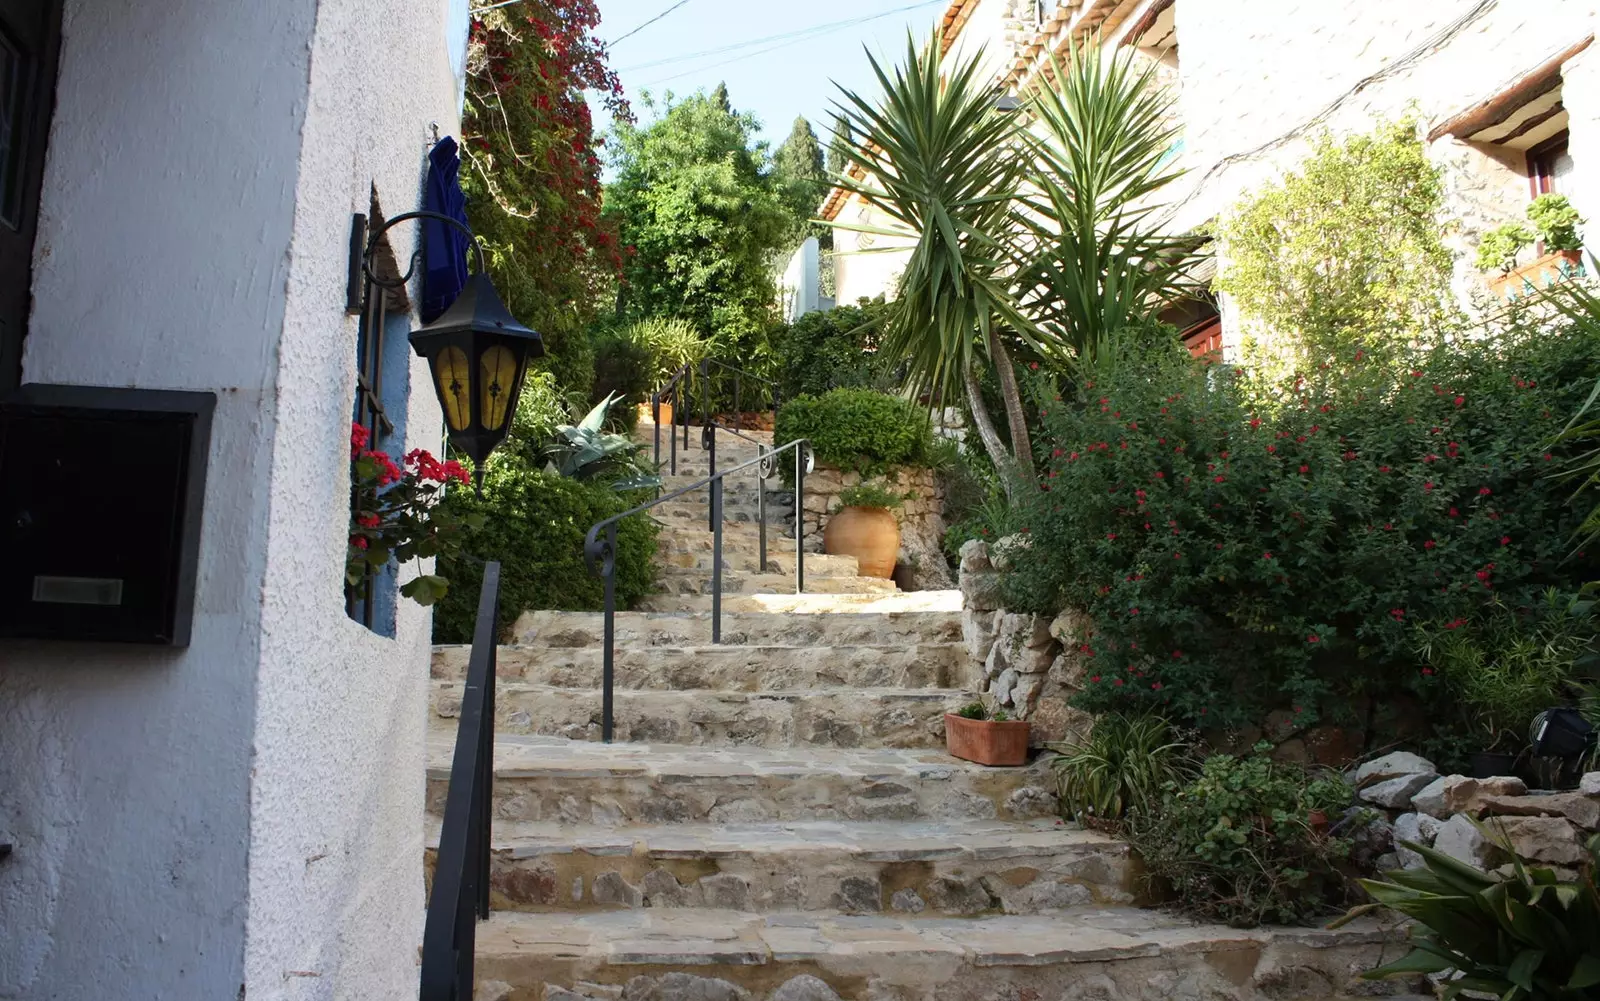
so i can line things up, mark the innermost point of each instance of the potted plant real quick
(865, 526)
(1561, 247)
(973, 733)
(1557, 222)
(1500, 246)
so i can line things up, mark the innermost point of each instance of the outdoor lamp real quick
(477, 354)
(1561, 733)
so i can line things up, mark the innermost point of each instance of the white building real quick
(241, 817)
(1506, 91)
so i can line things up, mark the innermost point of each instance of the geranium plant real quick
(395, 514)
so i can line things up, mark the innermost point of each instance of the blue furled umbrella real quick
(444, 248)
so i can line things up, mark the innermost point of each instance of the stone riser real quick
(747, 560)
(692, 582)
(547, 629)
(755, 786)
(724, 668)
(813, 601)
(766, 870)
(870, 718)
(689, 956)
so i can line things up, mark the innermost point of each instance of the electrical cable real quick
(647, 24)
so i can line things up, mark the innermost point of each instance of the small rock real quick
(978, 632)
(1460, 839)
(1393, 766)
(611, 888)
(908, 901)
(741, 811)
(974, 555)
(726, 891)
(1418, 828)
(551, 992)
(1445, 797)
(1030, 802)
(1045, 895)
(1004, 685)
(499, 990)
(1390, 861)
(1071, 627)
(1543, 839)
(662, 889)
(805, 987)
(1005, 550)
(1395, 794)
(1579, 809)
(1589, 785)
(980, 590)
(958, 896)
(858, 895)
(683, 987)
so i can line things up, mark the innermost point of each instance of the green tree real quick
(694, 201)
(1345, 253)
(800, 176)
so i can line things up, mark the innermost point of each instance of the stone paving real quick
(779, 821)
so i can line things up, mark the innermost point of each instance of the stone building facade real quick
(1504, 94)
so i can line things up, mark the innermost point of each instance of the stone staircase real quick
(778, 821)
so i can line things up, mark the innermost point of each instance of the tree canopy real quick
(801, 178)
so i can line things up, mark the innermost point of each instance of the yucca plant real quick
(1095, 262)
(1530, 935)
(1122, 767)
(942, 163)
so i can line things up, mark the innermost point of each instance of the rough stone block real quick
(610, 888)
(1004, 685)
(1543, 839)
(1589, 785)
(1392, 766)
(959, 896)
(974, 556)
(726, 890)
(804, 988)
(908, 901)
(1460, 839)
(1452, 794)
(1576, 807)
(683, 987)
(1005, 550)
(978, 632)
(858, 895)
(1415, 827)
(1396, 794)
(1071, 627)
(980, 590)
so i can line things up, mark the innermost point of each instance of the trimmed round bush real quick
(858, 429)
(535, 526)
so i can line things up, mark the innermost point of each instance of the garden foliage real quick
(858, 429)
(1246, 547)
(832, 349)
(534, 523)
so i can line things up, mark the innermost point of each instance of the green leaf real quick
(1586, 972)
(1417, 961)
(1522, 969)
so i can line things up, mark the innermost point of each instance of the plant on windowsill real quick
(1500, 246)
(395, 513)
(1557, 222)
(865, 526)
(974, 733)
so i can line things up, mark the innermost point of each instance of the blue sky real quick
(776, 80)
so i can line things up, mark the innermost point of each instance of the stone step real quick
(725, 667)
(929, 870)
(900, 619)
(675, 581)
(811, 602)
(548, 778)
(747, 559)
(1110, 953)
(824, 717)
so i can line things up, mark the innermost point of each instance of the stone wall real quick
(920, 565)
(1026, 664)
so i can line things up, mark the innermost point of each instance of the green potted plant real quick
(865, 526)
(974, 733)
(1500, 246)
(1557, 222)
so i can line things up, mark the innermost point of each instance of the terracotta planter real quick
(1538, 275)
(870, 534)
(666, 414)
(986, 741)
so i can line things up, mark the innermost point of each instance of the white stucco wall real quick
(241, 818)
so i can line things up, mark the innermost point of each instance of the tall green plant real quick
(1122, 767)
(942, 164)
(1096, 263)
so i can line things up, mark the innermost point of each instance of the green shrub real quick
(858, 429)
(671, 344)
(1243, 550)
(535, 526)
(870, 494)
(1238, 844)
(831, 350)
(1123, 767)
(1532, 934)
(1557, 222)
(621, 369)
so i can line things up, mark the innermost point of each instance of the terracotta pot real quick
(1538, 275)
(986, 741)
(870, 534)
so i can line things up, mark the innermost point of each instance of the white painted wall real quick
(241, 818)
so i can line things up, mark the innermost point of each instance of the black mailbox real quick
(101, 493)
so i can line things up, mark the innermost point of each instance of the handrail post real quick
(655, 418)
(607, 718)
(800, 519)
(672, 428)
(761, 508)
(710, 438)
(716, 561)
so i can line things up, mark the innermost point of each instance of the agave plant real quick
(1527, 935)
(586, 451)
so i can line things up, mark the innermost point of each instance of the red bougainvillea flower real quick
(1398, 613)
(1095, 679)
(1271, 449)
(1219, 479)
(1505, 540)
(1266, 556)
(359, 436)
(1428, 545)
(1112, 536)
(1133, 611)
(1454, 513)
(1484, 491)
(358, 541)
(1460, 400)
(1427, 672)
(1428, 485)
(1313, 638)
(369, 521)
(1117, 682)
(1305, 469)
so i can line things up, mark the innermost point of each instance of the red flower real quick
(1484, 491)
(1219, 479)
(1460, 400)
(1383, 469)
(1313, 638)
(1177, 654)
(1428, 544)
(1454, 513)
(1305, 469)
(1266, 556)
(1427, 672)
(1133, 611)
(1156, 687)
(358, 541)
(1428, 485)
(1272, 448)
(1398, 613)
(1112, 536)
(1160, 475)
(1095, 679)
(1505, 540)
(1117, 682)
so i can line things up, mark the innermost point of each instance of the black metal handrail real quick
(600, 553)
(460, 896)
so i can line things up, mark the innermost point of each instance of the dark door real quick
(30, 35)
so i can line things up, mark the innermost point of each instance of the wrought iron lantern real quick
(476, 350)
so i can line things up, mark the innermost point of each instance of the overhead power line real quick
(771, 41)
(647, 24)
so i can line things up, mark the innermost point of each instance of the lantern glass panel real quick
(499, 377)
(455, 382)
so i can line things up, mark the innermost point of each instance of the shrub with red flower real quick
(395, 514)
(1290, 595)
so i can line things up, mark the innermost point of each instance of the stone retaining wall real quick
(920, 565)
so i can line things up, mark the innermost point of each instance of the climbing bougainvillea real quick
(531, 169)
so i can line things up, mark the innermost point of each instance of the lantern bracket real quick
(371, 246)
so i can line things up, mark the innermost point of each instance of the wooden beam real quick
(1486, 114)
(1148, 21)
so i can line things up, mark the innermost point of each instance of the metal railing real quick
(675, 390)
(460, 896)
(600, 550)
